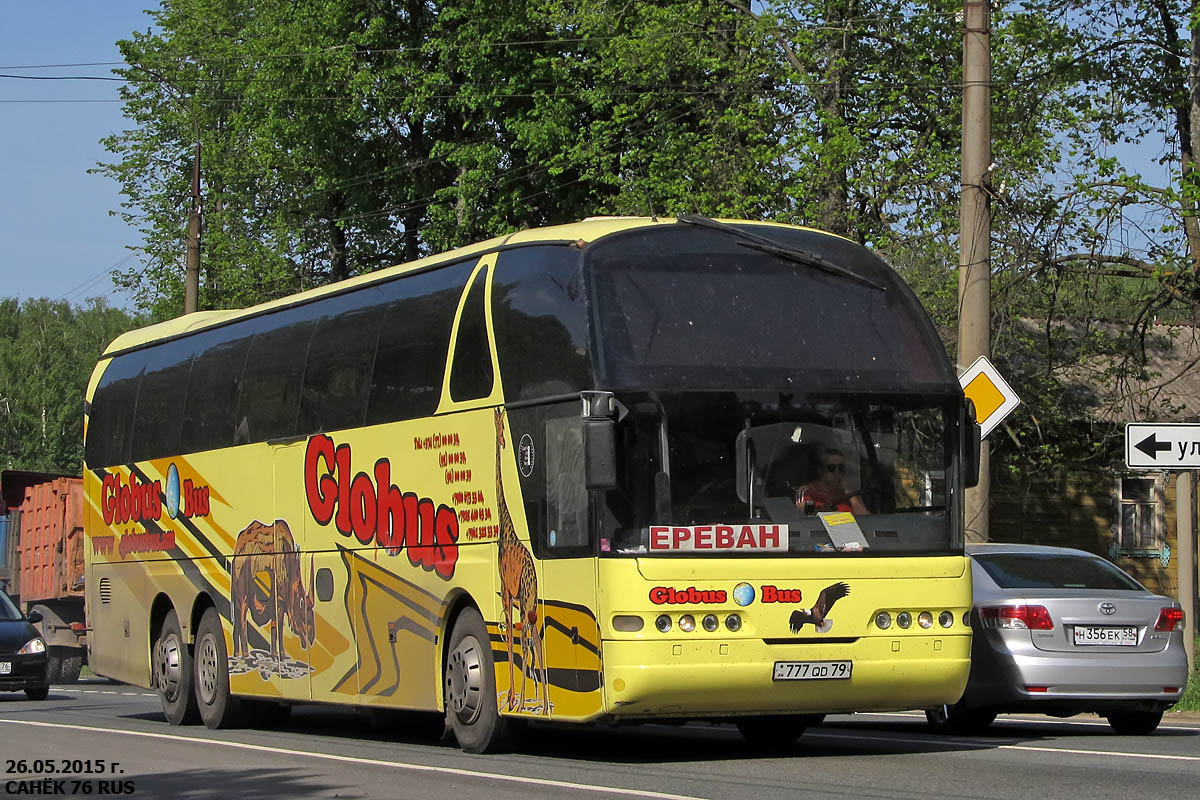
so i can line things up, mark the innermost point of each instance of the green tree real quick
(47, 352)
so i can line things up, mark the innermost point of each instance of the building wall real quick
(1078, 509)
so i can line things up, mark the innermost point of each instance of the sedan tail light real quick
(1169, 619)
(1036, 618)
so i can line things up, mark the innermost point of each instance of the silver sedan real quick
(1063, 632)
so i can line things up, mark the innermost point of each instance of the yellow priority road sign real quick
(994, 399)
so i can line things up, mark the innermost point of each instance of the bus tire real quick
(217, 707)
(470, 689)
(772, 733)
(173, 675)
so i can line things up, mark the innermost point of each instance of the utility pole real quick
(975, 229)
(1185, 559)
(191, 284)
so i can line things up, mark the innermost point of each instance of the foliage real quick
(47, 352)
(1191, 695)
(346, 135)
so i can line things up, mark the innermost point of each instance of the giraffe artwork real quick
(518, 587)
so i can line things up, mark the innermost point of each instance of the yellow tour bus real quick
(621, 470)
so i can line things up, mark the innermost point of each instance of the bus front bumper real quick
(691, 678)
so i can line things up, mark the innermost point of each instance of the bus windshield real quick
(848, 473)
(693, 308)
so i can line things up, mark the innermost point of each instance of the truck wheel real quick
(217, 708)
(172, 673)
(470, 685)
(70, 666)
(54, 658)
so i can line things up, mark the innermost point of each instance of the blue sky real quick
(58, 237)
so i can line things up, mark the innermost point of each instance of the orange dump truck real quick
(41, 561)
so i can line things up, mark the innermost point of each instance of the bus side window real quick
(410, 360)
(212, 396)
(566, 495)
(472, 375)
(338, 375)
(270, 396)
(110, 425)
(160, 401)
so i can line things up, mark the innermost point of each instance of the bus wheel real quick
(470, 689)
(217, 708)
(172, 666)
(772, 733)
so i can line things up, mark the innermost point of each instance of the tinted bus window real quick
(540, 320)
(340, 358)
(472, 375)
(161, 400)
(410, 361)
(270, 395)
(110, 424)
(698, 309)
(212, 397)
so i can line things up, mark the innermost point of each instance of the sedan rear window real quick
(1053, 571)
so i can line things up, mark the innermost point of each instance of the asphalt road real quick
(101, 740)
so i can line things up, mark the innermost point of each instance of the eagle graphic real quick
(816, 615)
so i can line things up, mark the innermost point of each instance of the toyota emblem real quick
(1108, 608)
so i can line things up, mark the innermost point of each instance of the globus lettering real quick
(130, 502)
(660, 595)
(377, 509)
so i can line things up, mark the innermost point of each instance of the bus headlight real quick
(904, 619)
(733, 622)
(925, 619)
(663, 623)
(687, 623)
(710, 622)
(883, 620)
(627, 623)
(945, 619)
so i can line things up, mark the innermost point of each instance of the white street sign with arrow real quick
(1162, 445)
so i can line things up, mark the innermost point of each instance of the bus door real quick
(293, 587)
(564, 658)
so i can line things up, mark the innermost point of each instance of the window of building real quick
(1140, 520)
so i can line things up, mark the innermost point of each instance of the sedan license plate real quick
(1089, 635)
(5, 667)
(812, 670)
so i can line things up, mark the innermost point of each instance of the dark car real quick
(23, 661)
(1063, 632)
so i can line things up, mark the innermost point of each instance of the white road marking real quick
(466, 773)
(958, 741)
(1099, 723)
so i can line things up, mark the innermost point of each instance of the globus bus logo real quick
(376, 509)
(122, 502)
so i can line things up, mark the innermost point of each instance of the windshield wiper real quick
(765, 245)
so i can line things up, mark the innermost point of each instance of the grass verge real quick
(1191, 695)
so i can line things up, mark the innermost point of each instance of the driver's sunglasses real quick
(835, 467)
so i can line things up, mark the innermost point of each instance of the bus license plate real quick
(1111, 637)
(5, 667)
(812, 670)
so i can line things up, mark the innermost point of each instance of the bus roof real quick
(586, 231)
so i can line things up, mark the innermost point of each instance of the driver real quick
(828, 492)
